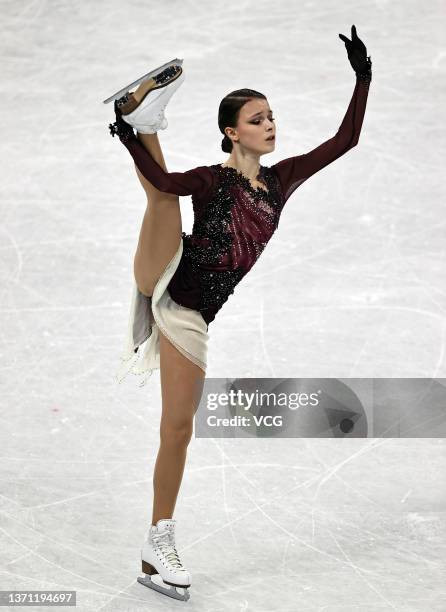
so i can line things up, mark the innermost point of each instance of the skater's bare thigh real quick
(160, 233)
(159, 239)
(182, 384)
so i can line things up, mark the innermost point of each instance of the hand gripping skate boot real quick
(144, 108)
(159, 556)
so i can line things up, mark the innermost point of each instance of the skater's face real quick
(255, 125)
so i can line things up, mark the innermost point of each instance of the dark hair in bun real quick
(229, 111)
(226, 144)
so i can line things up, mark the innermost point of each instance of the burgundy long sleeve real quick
(196, 182)
(293, 171)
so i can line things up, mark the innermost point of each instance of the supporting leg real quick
(182, 384)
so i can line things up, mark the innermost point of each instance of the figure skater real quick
(181, 280)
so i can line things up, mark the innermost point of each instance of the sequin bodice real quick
(229, 234)
(233, 220)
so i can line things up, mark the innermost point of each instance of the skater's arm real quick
(293, 171)
(192, 182)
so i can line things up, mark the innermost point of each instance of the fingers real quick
(354, 35)
(355, 43)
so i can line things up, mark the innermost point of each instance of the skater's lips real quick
(271, 138)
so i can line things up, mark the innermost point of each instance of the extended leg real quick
(160, 233)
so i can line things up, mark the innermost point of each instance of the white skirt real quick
(184, 327)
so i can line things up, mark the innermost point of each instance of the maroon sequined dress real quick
(233, 221)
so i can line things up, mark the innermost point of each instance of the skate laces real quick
(167, 548)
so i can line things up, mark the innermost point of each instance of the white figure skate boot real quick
(159, 556)
(144, 108)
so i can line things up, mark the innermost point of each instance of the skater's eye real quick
(258, 120)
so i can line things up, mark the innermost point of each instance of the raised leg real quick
(182, 384)
(160, 233)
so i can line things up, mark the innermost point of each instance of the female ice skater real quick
(182, 281)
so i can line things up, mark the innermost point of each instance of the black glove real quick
(121, 127)
(357, 55)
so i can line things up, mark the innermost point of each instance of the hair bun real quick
(226, 144)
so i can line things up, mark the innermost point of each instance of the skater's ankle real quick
(145, 86)
(162, 518)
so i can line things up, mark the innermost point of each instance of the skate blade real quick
(145, 77)
(169, 591)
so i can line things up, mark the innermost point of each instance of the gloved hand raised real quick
(357, 54)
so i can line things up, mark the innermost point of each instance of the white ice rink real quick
(352, 284)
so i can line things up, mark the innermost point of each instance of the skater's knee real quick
(152, 192)
(163, 201)
(176, 435)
